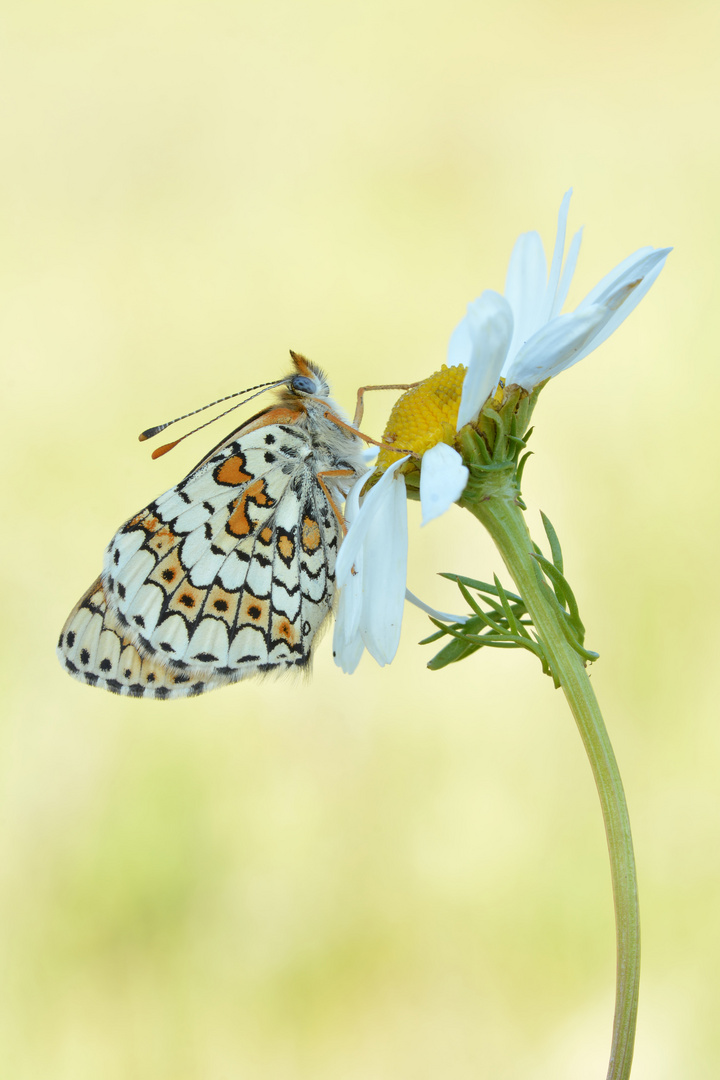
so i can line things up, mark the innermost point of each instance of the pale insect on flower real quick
(230, 573)
(519, 339)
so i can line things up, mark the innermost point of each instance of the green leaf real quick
(521, 467)
(552, 536)
(561, 584)
(481, 586)
(451, 654)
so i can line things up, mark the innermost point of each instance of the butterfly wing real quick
(228, 574)
(95, 648)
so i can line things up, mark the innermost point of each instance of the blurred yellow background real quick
(397, 874)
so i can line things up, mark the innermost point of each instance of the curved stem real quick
(497, 508)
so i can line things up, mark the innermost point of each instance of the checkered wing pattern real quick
(228, 574)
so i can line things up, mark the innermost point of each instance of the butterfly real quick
(231, 572)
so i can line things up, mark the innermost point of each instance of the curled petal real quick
(555, 346)
(620, 285)
(623, 289)
(614, 275)
(442, 480)
(489, 322)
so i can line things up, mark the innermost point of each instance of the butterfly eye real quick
(304, 385)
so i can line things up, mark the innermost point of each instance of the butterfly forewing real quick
(228, 574)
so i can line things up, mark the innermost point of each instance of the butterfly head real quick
(308, 380)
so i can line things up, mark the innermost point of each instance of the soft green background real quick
(400, 874)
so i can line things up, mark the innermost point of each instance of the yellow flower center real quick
(424, 416)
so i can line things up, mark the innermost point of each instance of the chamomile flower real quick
(521, 338)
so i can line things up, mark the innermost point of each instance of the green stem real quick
(494, 503)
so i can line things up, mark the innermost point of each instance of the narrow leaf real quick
(552, 536)
(481, 586)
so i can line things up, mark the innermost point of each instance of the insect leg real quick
(368, 438)
(333, 506)
(386, 386)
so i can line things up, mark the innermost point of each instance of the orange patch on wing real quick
(162, 540)
(148, 521)
(286, 548)
(310, 534)
(232, 472)
(221, 604)
(239, 523)
(187, 600)
(253, 611)
(266, 535)
(279, 415)
(168, 572)
(284, 630)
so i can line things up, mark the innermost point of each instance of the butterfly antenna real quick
(150, 433)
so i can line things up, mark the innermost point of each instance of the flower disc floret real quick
(424, 416)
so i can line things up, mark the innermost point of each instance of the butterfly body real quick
(231, 572)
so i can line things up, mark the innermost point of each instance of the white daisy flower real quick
(521, 337)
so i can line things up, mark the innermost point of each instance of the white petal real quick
(347, 649)
(442, 616)
(656, 261)
(557, 259)
(525, 287)
(443, 478)
(349, 616)
(384, 576)
(360, 520)
(567, 274)
(490, 326)
(460, 345)
(618, 290)
(349, 611)
(555, 346)
(613, 276)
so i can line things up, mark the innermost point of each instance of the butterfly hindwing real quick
(95, 648)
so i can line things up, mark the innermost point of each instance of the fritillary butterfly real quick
(231, 572)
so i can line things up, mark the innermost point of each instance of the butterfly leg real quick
(333, 474)
(368, 438)
(386, 386)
